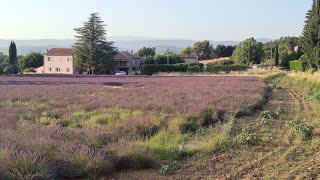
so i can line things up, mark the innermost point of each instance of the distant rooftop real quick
(125, 55)
(60, 52)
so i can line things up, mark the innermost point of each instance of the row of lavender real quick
(103, 127)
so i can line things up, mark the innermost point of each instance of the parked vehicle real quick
(121, 73)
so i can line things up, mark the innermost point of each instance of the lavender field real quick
(75, 127)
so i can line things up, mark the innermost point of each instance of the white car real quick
(121, 73)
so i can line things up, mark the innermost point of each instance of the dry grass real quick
(213, 61)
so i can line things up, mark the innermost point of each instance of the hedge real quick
(150, 69)
(296, 65)
(226, 68)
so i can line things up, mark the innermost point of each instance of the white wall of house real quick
(58, 64)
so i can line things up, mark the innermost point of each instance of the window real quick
(49, 59)
(58, 69)
(50, 69)
(67, 59)
(68, 69)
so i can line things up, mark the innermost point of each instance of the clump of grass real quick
(165, 145)
(248, 137)
(299, 128)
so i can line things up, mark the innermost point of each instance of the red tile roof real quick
(125, 55)
(60, 52)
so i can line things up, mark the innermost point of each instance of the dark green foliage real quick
(297, 127)
(93, 53)
(305, 62)
(223, 51)
(32, 60)
(13, 53)
(286, 57)
(186, 51)
(12, 60)
(310, 39)
(227, 68)
(163, 59)
(276, 52)
(150, 69)
(194, 68)
(146, 52)
(203, 50)
(296, 65)
(248, 51)
(225, 62)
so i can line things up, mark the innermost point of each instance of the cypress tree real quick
(276, 57)
(13, 57)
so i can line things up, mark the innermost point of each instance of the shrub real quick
(194, 68)
(298, 128)
(226, 68)
(248, 137)
(85, 162)
(225, 62)
(150, 69)
(26, 165)
(296, 65)
(267, 116)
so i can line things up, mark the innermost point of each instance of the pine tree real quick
(310, 39)
(13, 57)
(276, 57)
(93, 52)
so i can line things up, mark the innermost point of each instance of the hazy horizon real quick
(165, 19)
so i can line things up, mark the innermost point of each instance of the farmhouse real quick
(59, 61)
(190, 59)
(127, 62)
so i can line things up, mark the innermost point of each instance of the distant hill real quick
(122, 42)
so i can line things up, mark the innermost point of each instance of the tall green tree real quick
(92, 51)
(13, 57)
(248, 51)
(146, 52)
(30, 61)
(13, 53)
(186, 51)
(203, 50)
(276, 52)
(310, 39)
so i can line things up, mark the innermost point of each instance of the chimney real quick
(131, 52)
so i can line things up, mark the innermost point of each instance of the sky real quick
(169, 19)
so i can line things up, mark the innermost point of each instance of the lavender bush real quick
(63, 126)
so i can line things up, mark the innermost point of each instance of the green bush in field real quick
(194, 68)
(248, 137)
(297, 128)
(296, 65)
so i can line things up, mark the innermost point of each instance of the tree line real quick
(204, 50)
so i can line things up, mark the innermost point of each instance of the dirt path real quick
(266, 161)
